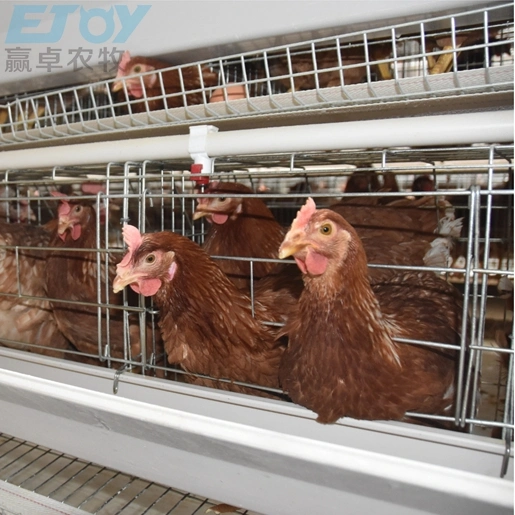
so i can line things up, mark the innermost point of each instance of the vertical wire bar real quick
(315, 67)
(251, 263)
(106, 244)
(141, 300)
(367, 58)
(507, 432)
(454, 48)
(395, 56)
(125, 219)
(462, 397)
(484, 277)
(99, 287)
(183, 210)
(486, 36)
(486, 63)
(290, 69)
(340, 61)
(425, 58)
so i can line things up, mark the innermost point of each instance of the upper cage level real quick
(450, 58)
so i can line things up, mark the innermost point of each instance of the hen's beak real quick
(117, 86)
(199, 213)
(63, 225)
(292, 244)
(123, 280)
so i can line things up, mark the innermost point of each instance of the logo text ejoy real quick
(27, 18)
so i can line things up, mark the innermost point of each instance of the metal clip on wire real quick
(507, 453)
(117, 375)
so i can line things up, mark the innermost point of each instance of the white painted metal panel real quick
(249, 452)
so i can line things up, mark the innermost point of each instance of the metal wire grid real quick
(478, 180)
(469, 52)
(90, 487)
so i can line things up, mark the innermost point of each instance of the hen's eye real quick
(150, 259)
(221, 199)
(326, 229)
(78, 209)
(137, 69)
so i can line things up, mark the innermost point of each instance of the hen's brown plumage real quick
(206, 322)
(71, 275)
(341, 358)
(25, 320)
(194, 79)
(240, 227)
(409, 232)
(296, 71)
(362, 182)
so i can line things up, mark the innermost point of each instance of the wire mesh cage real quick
(155, 196)
(441, 57)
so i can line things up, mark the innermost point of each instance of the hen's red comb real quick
(93, 188)
(122, 65)
(304, 214)
(133, 239)
(64, 208)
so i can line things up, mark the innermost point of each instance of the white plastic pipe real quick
(99, 152)
(452, 129)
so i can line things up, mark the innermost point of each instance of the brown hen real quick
(342, 359)
(26, 319)
(241, 227)
(207, 324)
(72, 274)
(148, 90)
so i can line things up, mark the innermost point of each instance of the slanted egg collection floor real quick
(91, 488)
